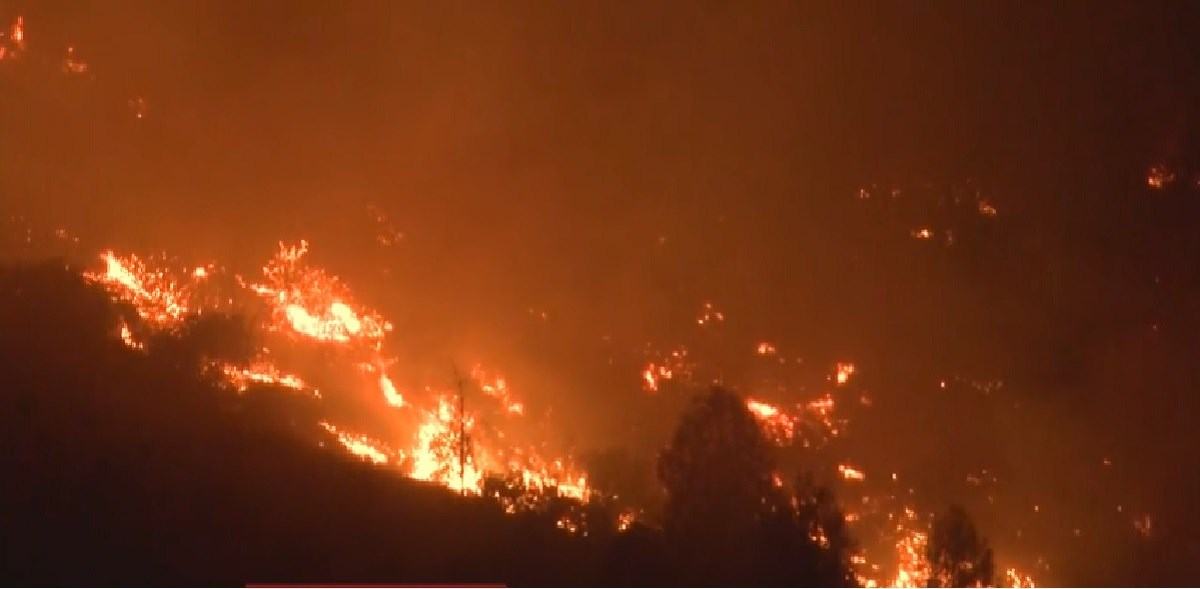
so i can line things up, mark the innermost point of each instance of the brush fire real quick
(483, 429)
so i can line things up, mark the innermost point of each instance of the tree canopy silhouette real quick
(958, 555)
(729, 520)
(717, 472)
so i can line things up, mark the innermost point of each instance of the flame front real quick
(160, 299)
(467, 451)
(312, 304)
(310, 307)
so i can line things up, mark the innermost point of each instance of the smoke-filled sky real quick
(555, 146)
(618, 164)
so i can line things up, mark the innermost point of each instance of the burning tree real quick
(958, 555)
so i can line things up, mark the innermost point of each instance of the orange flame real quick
(850, 473)
(359, 445)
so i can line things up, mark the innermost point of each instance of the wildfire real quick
(17, 32)
(653, 374)
(1159, 177)
(72, 64)
(390, 395)
(16, 39)
(913, 567)
(1017, 580)
(450, 445)
(709, 315)
(844, 371)
(159, 298)
(310, 303)
(850, 473)
(779, 426)
(454, 444)
(441, 454)
(128, 339)
(673, 365)
(497, 388)
(359, 445)
(309, 306)
(260, 371)
(625, 519)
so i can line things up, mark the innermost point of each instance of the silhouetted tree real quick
(717, 472)
(823, 520)
(805, 539)
(958, 555)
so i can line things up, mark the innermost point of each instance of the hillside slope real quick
(124, 468)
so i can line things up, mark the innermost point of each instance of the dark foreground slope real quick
(123, 468)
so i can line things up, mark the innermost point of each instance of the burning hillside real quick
(508, 257)
(311, 311)
(444, 439)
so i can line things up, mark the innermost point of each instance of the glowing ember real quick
(1159, 177)
(850, 473)
(1016, 580)
(923, 233)
(710, 315)
(138, 107)
(72, 64)
(1144, 525)
(844, 371)
(653, 374)
(779, 426)
(568, 524)
(16, 33)
(497, 387)
(674, 365)
(765, 349)
(388, 234)
(128, 339)
(625, 519)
